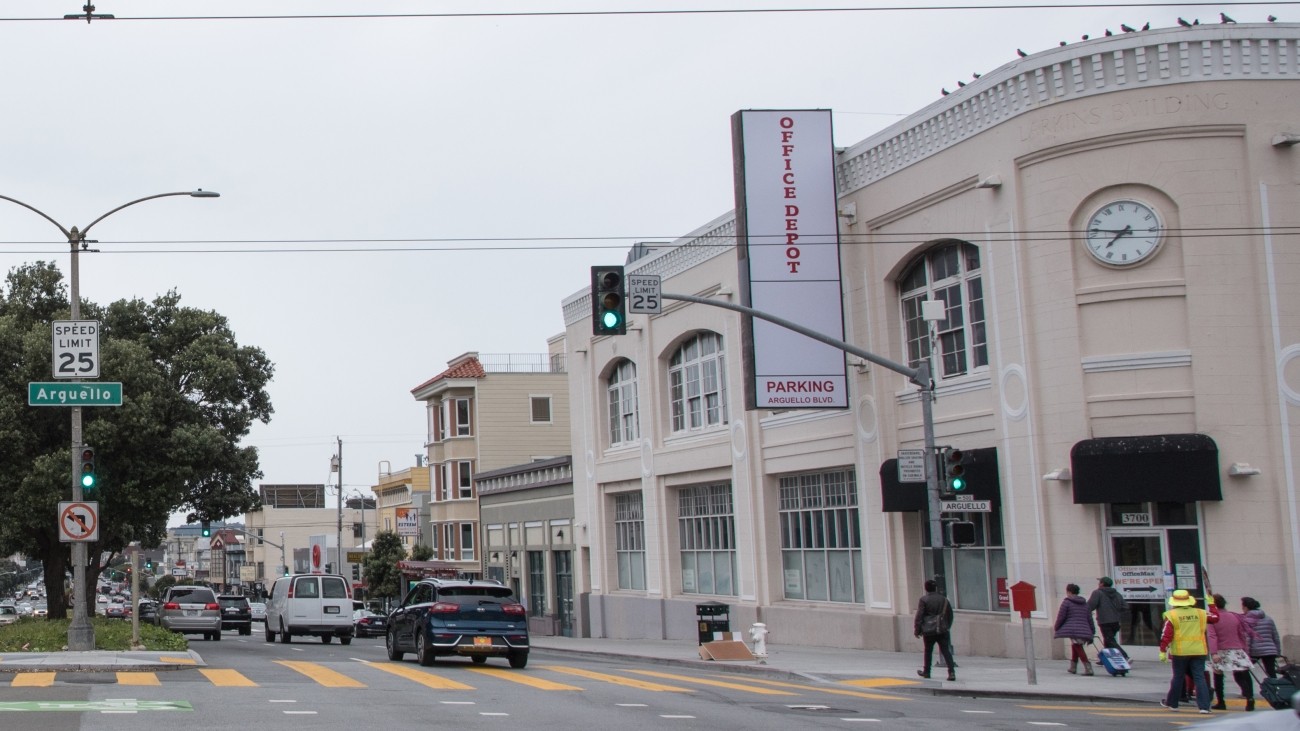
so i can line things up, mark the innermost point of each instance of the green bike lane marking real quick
(127, 705)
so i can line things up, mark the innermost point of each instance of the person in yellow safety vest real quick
(1183, 641)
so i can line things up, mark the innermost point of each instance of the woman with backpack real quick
(1074, 623)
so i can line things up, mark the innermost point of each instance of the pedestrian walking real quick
(932, 623)
(1183, 641)
(1229, 642)
(1265, 644)
(1074, 623)
(1110, 606)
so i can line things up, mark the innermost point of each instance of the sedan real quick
(115, 610)
(366, 623)
(259, 611)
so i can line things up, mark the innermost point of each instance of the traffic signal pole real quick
(920, 376)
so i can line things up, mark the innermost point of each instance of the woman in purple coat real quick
(1074, 623)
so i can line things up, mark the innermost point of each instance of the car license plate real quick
(331, 610)
(191, 612)
(482, 641)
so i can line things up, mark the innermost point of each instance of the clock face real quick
(1123, 233)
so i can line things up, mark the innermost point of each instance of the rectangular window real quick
(445, 482)
(541, 409)
(975, 569)
(449, 541)
(466, 541)
(707, 533)
(462, 417)
(444, 418)
(821, 548)
(629, 540)
(536, 584)
(465, 475)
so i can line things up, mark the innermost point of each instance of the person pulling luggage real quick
(1110, 606)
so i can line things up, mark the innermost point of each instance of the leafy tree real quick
(191, 393)
(421, 552)
(382, 577)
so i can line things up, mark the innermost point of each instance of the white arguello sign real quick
(789, 257)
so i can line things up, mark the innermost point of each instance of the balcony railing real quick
(523, 363)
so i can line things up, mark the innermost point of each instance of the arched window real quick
(622, 404)
(697, 383)
(949, 273)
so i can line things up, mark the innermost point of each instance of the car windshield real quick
(196, 595)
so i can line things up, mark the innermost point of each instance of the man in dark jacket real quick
(932, 622)
(1110, 606)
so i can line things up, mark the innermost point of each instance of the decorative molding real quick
(1137, 361)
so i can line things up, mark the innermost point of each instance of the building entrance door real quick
(1137, 560)
(564, 592)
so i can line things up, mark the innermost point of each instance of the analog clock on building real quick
(1123, 233)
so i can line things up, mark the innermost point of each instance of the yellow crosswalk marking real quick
(178, 659)
(322, 674)
(33, 680)
(617, 680)
(428, 680)
(515, 676)
(227, 678)
(714, 683)
(137, 678)
(833, 691)
(880, 682)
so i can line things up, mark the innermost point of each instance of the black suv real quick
(236, 613)
(475, 619)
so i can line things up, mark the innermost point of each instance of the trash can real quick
(713, 617)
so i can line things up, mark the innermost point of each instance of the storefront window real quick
(975, 570)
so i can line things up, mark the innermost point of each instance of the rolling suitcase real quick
(1278, 691)
(1112, 660)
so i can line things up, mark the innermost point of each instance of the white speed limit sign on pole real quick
(76, 348)
(643, 294)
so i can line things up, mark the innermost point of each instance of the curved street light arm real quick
(190, 193)
(72, 239)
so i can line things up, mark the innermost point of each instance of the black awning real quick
(1167, 468)
(904, 497)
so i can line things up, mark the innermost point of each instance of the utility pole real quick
(336, 465)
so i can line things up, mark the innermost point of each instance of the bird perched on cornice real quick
(976, 75)
(1223, 18)
(1184, 23)
(1108, 33)
(945, 92)
(960, 84)
(1062, 43)
(1272, 18)
(1127, 29)
(1021, 53)
(1085, 36)
(1146, 26)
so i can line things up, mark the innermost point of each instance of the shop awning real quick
(1166, 468)
(903, 497)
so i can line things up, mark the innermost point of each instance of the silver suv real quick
(191, 610)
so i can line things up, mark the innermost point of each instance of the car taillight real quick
(513, 609)
(212, 606)
(171, 605)
(444, 608)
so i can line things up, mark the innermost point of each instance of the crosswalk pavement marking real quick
(714, 683)
(428, 680)
(33, 680)
(617, 680)
(879, 682)
(833, 691)
(322, 674)
(137, 678)
(227, 678)
(515, 676)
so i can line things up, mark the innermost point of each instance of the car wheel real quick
(518, 660)
(424, 653)
(390, 642)
(245, 631)
(284, 635)
(270, 636)
(345, 640)
(479, 659)
(216, 636)
(326, 639)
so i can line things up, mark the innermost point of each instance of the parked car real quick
(477, 619)
(259, 611)
(191, 610)
(8, 614)
(366, 623)
(149, 611)
(236, 613)
(314, 605)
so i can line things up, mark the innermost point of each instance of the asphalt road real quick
(249, 683)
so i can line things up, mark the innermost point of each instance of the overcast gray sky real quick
(397, 191)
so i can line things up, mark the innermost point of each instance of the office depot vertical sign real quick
(788, 243)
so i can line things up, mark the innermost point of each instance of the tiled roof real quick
(468, 368)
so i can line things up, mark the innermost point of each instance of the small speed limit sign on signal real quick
(76, 348)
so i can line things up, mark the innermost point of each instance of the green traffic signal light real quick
(87, 468)
(207, 529)
(608, 301)
(958, 484)
(609, 320)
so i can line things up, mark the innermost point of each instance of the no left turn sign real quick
(78, 522)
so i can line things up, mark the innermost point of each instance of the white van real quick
(317, 605)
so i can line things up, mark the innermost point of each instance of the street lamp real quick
(81, 634)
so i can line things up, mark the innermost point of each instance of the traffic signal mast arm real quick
(919, 377)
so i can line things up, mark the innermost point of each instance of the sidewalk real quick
(976, 676)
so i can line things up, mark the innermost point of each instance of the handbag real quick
(932, 624)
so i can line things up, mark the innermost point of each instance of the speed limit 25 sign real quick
(76, 348)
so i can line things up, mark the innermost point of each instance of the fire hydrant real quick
(758, 635)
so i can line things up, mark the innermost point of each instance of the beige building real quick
(485, 413)
(401, 492)
(290, 518)
(1110, 229)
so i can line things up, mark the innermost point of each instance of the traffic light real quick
(356, 572)
(148, 565)
(954, 469)
(87, 468)
(961, 533)
(608, 301)
(284, 570)
(207, 529)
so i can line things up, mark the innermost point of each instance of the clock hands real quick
(1119, 234)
